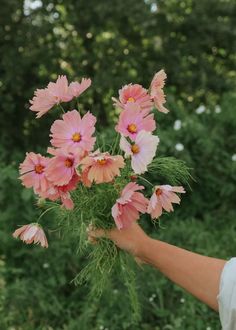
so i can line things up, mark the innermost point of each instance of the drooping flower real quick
(32, 172)
(55, 93)
(162, 198)
(134, 93)
(32, 233)
(74, 131)
(142, 151)
(129, 205)
(156, 91)
(132, 120)
(62, 167)
(76, 89)
(62, 192)
(101, 167)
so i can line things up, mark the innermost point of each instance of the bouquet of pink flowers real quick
(84, 183)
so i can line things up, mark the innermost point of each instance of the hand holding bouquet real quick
(87, 184)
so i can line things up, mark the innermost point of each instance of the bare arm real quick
(199, 275)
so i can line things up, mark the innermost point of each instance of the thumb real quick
(94, 233)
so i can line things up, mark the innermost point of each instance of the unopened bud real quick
(41, 202)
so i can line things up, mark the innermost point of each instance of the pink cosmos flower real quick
(134, 93)
(74, 131)
(101, 167)
(32, 233)
(42, 102)
(62, 167)
(55, 93)
(60, 90)
(62, 192)
(76, 89)
(142, 151)
(129, 205)
(84, 177)
(32, 172)
(162, 198)
(156, 90)
(132, 120)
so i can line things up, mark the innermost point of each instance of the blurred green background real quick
(114, 43)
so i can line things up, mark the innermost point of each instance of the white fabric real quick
(227, 296)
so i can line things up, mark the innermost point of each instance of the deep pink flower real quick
(62, 192)
(134, 93)
(129, 205)
(132, 120)
(62, 167)
(32, 233)
(74, 131)
(101, 167)
(156, 91)
(55, 93)
(142, 151)
(32, 172)
(162, 198)
(76, 89)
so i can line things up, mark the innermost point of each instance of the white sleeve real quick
(227, 296)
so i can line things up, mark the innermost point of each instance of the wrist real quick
(145, 249)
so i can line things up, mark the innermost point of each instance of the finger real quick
(139, 261)
(95, 233)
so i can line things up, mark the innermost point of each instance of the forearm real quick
(199, 275)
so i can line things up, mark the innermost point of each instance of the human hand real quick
(133, 239)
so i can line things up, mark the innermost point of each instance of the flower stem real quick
(113, 148)
(61, 107)
(47, 210)
(140, 177)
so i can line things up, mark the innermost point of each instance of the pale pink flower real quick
(101, 167)
(162, 198)
(132, 120)
(76, 89)
(134, 93)
(60, 90)
(32, 172)
(42, 102)
(156, 91)
(62, 167)
(55, 93)
(62, 192)
(32, 233)
(74, 131)
(127, 208)
(142, 150)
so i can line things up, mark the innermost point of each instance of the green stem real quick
(61, 107)
(115, 143)
(140, 177)
(47, 210)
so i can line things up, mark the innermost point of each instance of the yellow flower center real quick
(39, 168)
(135, 149)
(69, 162)
(76, 137)
(131, 99)
(158, 192)
(102, 161)
(132, 128)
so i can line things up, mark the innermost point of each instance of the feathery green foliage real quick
(93, 207)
